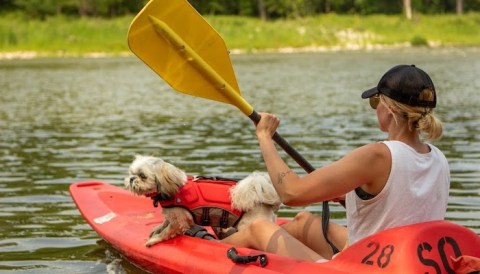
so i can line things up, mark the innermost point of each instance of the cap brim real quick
(369, 93)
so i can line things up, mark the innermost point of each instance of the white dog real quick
(188, 204)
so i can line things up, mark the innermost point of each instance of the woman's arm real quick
(367, 166)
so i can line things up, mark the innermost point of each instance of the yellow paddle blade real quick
(182, 48)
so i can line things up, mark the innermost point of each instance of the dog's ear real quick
(173, 174)
(169, 177)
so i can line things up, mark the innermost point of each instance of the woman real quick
(386, 184)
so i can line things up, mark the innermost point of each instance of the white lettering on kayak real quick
(105, 218)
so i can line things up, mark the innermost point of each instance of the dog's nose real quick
(132, 179)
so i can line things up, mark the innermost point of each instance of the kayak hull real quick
(125, 222)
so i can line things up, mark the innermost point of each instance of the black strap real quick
(222, 235)
(233, 255)
(160, 197)
(214, 178)
(205, 216)
(362, 194)
(199, 232)
(224, 219)
(325, 221)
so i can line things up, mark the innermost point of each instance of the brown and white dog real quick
(252, 198)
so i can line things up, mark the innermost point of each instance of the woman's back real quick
(416, 191)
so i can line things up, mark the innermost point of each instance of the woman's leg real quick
(269, 237)
(307, 228)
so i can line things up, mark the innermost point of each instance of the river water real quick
(69, 120)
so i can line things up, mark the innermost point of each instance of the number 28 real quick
(383, 258)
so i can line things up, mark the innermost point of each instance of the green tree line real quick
(265, 9)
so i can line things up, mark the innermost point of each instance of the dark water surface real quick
(68, 120)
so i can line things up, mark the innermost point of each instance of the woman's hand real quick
(267, 126)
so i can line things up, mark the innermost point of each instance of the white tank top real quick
(416, 191)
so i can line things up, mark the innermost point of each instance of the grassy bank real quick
(63, 36)
(337, 31)
(66, 36)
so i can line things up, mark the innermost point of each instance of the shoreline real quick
(25, 55)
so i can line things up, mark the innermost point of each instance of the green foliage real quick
(43, 8)
(418, 40)
(272, 9)
(39, 8)
(349, 31)
(62, 35)
(376, 7)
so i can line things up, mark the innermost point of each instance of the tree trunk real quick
(459, 7)
(83, 8)
(261, 10)
(326, 6)
(407, 8)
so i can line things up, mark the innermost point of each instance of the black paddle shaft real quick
(255, 117)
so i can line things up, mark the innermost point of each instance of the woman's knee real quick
(250, 235)
(300, 223)
(302, 216)
(260, 232)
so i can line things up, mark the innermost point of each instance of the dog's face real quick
(149, 175)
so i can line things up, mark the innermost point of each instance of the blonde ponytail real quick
(422, 119)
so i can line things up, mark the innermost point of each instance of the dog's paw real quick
(157, 238)
(152, 241)
(158, 229)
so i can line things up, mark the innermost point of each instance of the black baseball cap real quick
(404, 83)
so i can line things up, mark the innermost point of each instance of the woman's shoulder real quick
(377, 148)
(372, 152)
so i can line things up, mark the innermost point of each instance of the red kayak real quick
(125, 222)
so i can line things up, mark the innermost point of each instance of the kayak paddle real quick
(182, 48)
(176, 42)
